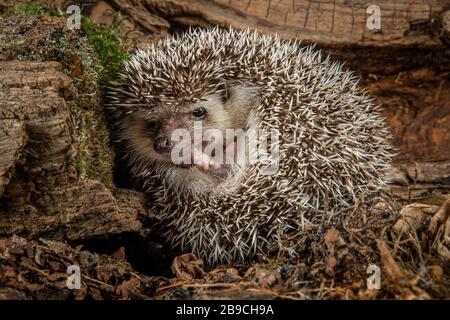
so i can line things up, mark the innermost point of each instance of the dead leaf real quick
(188, 267)
(126, 287)
(263, 276)
(337, 248)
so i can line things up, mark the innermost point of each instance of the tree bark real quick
(41, 191)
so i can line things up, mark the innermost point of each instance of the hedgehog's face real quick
(166, 125)
(155, 133)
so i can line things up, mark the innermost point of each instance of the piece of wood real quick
(41, 193)
(403, 22)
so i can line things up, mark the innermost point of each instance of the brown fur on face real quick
(224, 111)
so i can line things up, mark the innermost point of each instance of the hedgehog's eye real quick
(199, 112)
(153, 124)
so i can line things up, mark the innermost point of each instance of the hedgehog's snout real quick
(163, 144)
(162, 130)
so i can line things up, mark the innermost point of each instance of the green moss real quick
(108, 46)
(93, 157)
(109, 53)
(80, 164)
(27, 9)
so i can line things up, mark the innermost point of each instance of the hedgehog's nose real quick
(163, 145)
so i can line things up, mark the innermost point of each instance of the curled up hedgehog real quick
(318, 140)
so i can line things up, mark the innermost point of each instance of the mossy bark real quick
(56, 164)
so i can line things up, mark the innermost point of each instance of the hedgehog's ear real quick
(242, 97)
(134, 51)
(225, 92)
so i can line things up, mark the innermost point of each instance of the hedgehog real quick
(332, 143)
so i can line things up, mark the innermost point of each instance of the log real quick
(330, 23)
(42, 191)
